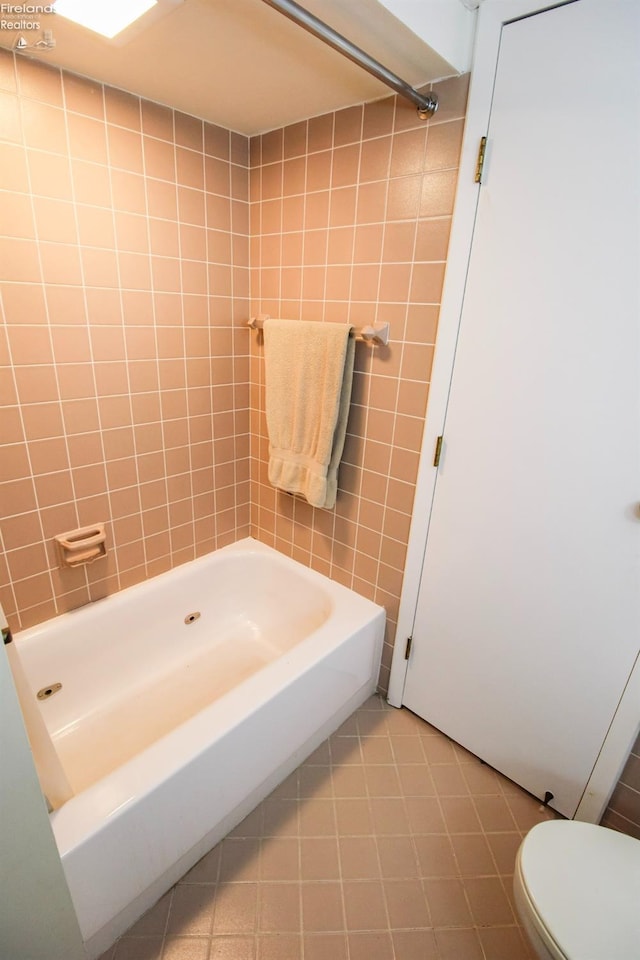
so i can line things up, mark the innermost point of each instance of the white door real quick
(528, 617)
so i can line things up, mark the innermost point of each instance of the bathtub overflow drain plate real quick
(49, 691)
(192, 617)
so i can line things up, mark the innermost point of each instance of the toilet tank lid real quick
(584, 882)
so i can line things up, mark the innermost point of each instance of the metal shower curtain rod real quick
(426, 104)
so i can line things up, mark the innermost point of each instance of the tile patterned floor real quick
(390, 842)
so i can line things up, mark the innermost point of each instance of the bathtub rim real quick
(180, 572)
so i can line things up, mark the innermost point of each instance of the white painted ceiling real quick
(242, 64)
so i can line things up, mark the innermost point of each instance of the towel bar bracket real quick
(377, 334)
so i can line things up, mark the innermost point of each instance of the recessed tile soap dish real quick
(83, 545)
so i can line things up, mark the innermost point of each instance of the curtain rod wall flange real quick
(426, 104)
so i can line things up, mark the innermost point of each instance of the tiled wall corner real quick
(124, 380)
(623, 811)
(350, 221)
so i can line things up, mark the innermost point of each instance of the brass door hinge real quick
(436, 456)
(480, 161)
(407, 649)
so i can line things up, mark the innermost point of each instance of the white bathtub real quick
(171, 732)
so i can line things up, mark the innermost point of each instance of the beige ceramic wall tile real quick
(97, 302)
(368, 244)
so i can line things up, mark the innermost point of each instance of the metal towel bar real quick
(378, 334)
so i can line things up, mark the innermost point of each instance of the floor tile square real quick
(186, 948)
(415, 944)
(449, 781)
(353, 817)
(322, 907)
(460, 815)
(416, 780)
(239, 859)
(236, 908)
(279, 908)
(382, 781)
(345, 750)
(459, 945)
(315, 781)
(397, 858)
(376, 750)
(370, 946)
(280, 817)
(358, 858)
(233, 948)
(447, 903)
(436, 856)
(407, 749)
(473, 855)
(407, 905)
(317, 818)
(438, 749)
(191, 909)
(325, 946)
(278, 947)
(364, 905)
(425, 815)
(319, 859)
(488, 901)
(372, 723)
(280, 859)
(495, 814)
(349, 781)
(389, 816)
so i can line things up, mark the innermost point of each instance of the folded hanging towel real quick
(308, 372)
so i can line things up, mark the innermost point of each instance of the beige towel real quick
(309, 372)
